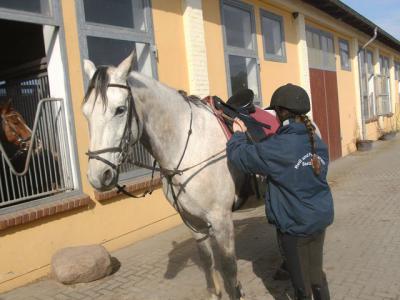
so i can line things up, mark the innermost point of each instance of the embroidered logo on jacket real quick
(303, 163)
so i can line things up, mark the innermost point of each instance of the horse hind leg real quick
(225, 240)
(208, 263)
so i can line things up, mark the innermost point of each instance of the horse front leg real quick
(208, 263)
(225, 239)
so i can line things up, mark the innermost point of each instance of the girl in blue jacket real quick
(298, 199)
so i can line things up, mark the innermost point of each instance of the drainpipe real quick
(363, 127)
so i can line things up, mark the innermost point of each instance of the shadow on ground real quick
(255, 243)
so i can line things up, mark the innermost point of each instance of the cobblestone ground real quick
(362, 253)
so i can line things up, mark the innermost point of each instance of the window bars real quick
(43, 168)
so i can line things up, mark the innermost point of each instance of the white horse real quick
(123, 107)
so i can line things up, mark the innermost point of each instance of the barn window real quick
(397, 70)
(344, 52)
(273, 36)
(41, 7)
(383, 87)
(321, 49)
(110, 31)
(241, 56)
(37, 156)
(368, 79)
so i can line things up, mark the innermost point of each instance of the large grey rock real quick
(81, 264)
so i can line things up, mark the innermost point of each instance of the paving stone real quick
(362, 249)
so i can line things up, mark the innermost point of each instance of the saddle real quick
(260, 125)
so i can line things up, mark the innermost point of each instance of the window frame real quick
(236, 51)
(397, 70)
(346, 42)
(366, 76)
(269, 56)
(113, 32)
(117, 33)
(55, 19)
(327, 35)
(384, 74)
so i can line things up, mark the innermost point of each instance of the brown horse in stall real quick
(15, 135)
(16, 138)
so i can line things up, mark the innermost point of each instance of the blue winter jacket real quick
(297, 201)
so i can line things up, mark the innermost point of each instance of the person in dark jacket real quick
(298, 199)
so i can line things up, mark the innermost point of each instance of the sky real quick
(384, 13)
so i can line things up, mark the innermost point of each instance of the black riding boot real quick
(301, 295)
(321, 292)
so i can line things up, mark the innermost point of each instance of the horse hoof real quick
(214, 297)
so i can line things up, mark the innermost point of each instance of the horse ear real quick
(126, 66)
(5, 107)
(89, 67)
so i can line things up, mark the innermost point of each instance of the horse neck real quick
(165, 117)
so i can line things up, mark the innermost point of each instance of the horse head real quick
(113, 126)
(16, 135)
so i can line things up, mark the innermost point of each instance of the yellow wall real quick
(25, 251)
(170, 41)
(215, 48)
(275, 74)
(347, 100)
(272, 74)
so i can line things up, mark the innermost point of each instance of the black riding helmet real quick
(291, 97)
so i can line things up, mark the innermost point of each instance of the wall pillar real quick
(393, 92)
(196, 54)
(302, 53)
(356, 77)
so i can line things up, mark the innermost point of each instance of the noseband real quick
(126, 137)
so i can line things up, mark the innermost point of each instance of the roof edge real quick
(365, 25)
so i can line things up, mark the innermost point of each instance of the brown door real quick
(324, 90)
(325, 104)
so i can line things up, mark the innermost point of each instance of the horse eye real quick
(120, 110)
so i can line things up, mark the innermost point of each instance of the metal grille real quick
(138, 153)
(46, 168)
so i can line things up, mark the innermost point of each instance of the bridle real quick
(125, 142)
(21, 143)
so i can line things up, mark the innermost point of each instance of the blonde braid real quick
(315, 163)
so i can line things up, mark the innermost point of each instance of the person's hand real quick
(239, 126)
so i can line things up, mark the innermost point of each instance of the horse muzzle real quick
(103, 180)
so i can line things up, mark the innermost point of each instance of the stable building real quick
(205, 47)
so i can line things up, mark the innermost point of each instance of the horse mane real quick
(196, 100)
(99, 83)
(101, 79)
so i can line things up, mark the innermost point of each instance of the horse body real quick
(162, 118)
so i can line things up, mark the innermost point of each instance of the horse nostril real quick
(108, 177)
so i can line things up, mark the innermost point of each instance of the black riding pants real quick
(303, 259)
